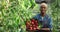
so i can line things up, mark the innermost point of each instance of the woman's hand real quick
(45, 28)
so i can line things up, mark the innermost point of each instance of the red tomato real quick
(38, 28)
(36, 21)
(32, 20)
(28, 22)
(32, 23)
(31, 28)
(36, 24)
(34, 28)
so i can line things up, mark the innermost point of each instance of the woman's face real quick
(43, 9)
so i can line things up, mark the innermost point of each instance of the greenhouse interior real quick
(15, 13)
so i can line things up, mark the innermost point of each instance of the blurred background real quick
(14, 13)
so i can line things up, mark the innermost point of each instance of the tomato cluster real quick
(32, 24)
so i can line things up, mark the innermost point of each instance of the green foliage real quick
(14, 13)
